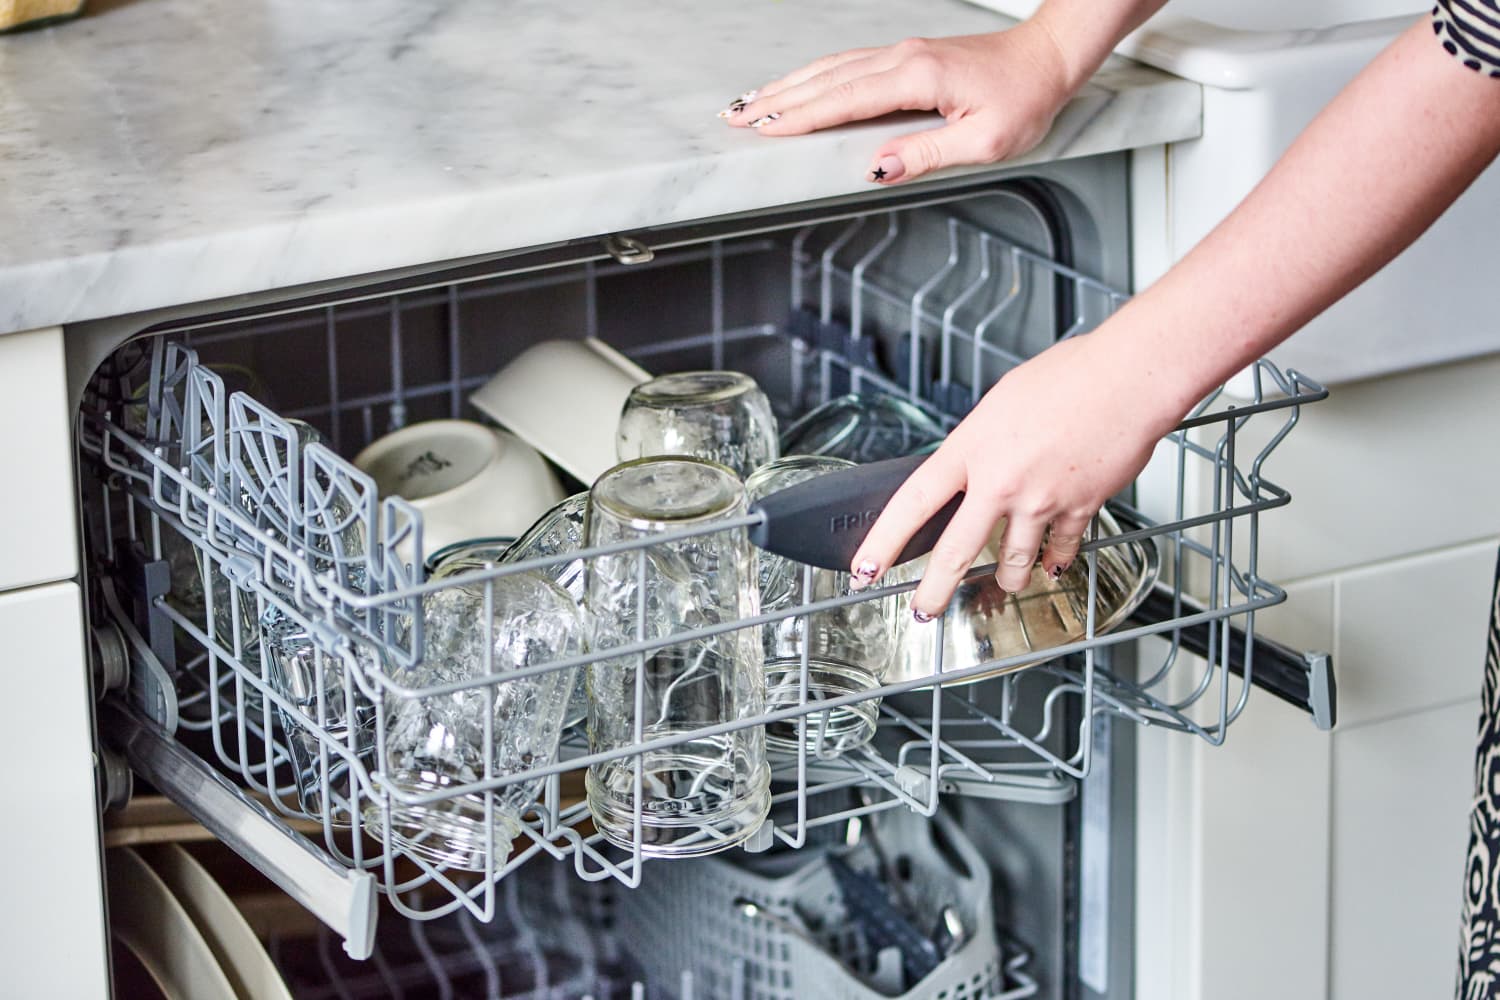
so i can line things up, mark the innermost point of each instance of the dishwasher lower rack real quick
(185, 479)
(554, 938)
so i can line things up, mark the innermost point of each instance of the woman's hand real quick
(1054, 439)
(999, 93)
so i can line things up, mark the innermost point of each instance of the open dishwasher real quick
(195, 473)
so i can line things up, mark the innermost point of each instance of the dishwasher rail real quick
(186, 478)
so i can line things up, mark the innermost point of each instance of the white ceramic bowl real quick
(564, 397)
(468, 480)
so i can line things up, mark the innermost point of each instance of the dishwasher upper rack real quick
(950, 739)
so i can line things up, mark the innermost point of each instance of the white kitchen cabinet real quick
(1239, 846)
(38, 534)
(52, 936)
(1401, 792)
(1413, 630)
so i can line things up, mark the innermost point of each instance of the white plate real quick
(146, 916)
(240, 953)
(564, 397)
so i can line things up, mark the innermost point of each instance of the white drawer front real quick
(38, 540)
(52, 941)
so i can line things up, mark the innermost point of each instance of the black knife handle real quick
(823, 521)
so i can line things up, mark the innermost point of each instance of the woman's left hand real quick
(999, 93)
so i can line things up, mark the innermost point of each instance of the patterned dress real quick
(1470, 31)
(1479, 947)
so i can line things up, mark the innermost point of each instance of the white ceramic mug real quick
(468, 480)
(564, 397)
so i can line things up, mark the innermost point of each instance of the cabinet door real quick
(52, 938)
(38, 540)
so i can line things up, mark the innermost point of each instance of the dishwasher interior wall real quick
(933, 301)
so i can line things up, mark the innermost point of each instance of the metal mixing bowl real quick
(983, 623)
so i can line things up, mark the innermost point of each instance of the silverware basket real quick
(801, 939)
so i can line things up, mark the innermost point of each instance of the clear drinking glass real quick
(849, 649)
(439, 742)
(558, 532)
(711, 792)
(719, 416)
(299, 672)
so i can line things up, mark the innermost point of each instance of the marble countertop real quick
(160, 152)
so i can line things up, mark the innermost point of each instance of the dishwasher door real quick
(209, 509)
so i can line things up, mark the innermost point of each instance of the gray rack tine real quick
(914, 374)
(857, 275)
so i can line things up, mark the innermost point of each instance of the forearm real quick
(1365, 179)
(1086, 31)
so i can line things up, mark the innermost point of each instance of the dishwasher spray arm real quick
(1303, 680)
(343, 899)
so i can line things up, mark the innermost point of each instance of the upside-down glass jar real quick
(702, 793)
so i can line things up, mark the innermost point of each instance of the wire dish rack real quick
(554, 939)
(186, 478)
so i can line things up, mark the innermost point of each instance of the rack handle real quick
(342, 899)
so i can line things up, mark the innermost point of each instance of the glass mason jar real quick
(707, 793)
(849, 648)
(863, 427)
(722, 417)
(505, 726)
(466, 557)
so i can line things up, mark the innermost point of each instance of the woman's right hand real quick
(1045, 448)
(999, 93)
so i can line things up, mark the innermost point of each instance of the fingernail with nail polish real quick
(888, 168)
(921, 616)
(867, 570)
(748, 96)
(1056, 572)
(765, 119)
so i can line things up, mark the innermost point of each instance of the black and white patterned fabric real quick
(1470, 31)
(1479, 948)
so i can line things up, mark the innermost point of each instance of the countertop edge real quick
(329, 247)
